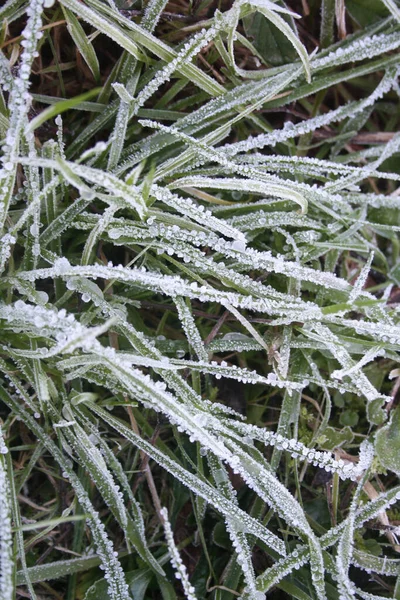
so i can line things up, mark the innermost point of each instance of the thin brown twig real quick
(19, 37)
(217, 75)
(144, 467)
(216, 328)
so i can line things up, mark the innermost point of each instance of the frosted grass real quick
(249, 247)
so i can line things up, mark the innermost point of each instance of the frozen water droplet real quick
(88, 194)
(114, 234)
(42, 297)
(239, 245)
(272, 378)
(61, 266)
(236, 336)
(71, 284)
(39, 322)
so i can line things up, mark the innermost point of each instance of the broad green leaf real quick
(366, 12)
(59, 107)
(138, 582)
(270, 11)
(58, 569)
(270, 41)
(387, 443)
(333, 438)
(82, 42)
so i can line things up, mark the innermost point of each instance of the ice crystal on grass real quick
(204, 490)
(298, 450)
(353, 371)
(19, 103)
(186, 282)
(359, 49)
(238, 537)
(290, 130)
(190, 328)
(6, 78)
(5, 249)
(180, 569)
(6, 550)
(152, 13)
(114, 575)
(345, 546)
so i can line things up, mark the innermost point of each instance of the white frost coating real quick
(270, 5)
(241, 95)
(176, 561)
(269, 10)
(5, 249)
(366, 455)
(204, 490)
(6, 78)
(196, 212)
(274, 302)
(73, 172)
(209, 153)
(300, 555)
(361, 280)
(342, 355)
(152, 13)
(234, 528)
(239, 374)
(68, 334)
(94, 461)
(19, 103)
(260, 479)
(154, 395)
(345, 546)
(298, 450)
(364, 360)
(190, 328)
(129, 105)
(60, 135)
(117, 587)
(290, 130)
(381, 332)
(388, 150)
(176, 286)
(113, 573)
(185, 55)
(212, 244)
(6, 544)
(121, 123)
(366, 47)
(312, 167)
(393, 8)
(270, 188)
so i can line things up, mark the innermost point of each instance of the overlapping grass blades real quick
(143, 263)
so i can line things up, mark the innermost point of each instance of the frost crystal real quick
(6, 543)
(180, 569)
(19, 104)
(5, 249)
(240, 243)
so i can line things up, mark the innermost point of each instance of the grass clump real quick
(199, 312)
